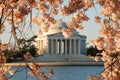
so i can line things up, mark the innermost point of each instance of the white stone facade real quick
(53, 43)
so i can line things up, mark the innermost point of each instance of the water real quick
(61, 72)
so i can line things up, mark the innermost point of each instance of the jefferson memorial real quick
(53, 46)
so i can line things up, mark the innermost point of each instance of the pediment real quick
(58, 35)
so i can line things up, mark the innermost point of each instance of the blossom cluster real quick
(20, 14)
(109, 39)
(3, 68)
(34, 71)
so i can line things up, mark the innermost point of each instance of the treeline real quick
(23, 47)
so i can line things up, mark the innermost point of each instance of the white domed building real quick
(53, 46)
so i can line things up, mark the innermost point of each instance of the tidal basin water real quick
(60, 72)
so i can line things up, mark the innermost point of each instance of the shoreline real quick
(100, 63)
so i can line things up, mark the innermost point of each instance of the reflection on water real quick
(60, 72)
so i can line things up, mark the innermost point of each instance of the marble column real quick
(70, 47)
(65, 46)
(78, 46)
(61, 47)
(56, 47)
(38, 44)
(74, 41)
(41, 46)
(48, 47)
(52, 46)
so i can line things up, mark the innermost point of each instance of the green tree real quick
(24, 46)
(93, 51)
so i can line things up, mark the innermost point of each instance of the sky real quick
(91, 29)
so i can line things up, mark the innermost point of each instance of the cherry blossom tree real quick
(20, 15)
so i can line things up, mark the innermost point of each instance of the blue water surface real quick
(60, 72)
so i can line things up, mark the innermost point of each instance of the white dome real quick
(56, 28)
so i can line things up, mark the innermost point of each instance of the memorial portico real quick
(54, 43)
(63, 46)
